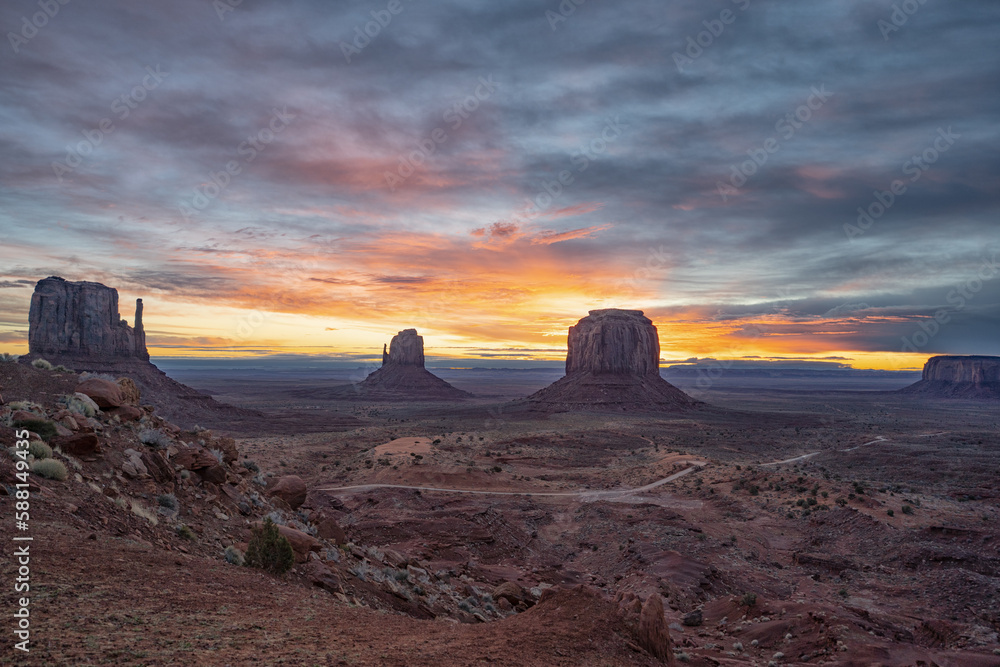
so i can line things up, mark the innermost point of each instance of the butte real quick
(613, 363)
(975, 377)
(403, 376)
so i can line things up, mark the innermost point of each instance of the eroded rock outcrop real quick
(403, 376)
(959, 377)
(81, 319)
(613, 362)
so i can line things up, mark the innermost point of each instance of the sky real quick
(765, 180)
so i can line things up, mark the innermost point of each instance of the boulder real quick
(227, 446)
(653, 634)
(104, 393)
(81, 444)
(321, 575)
(693, 619)
(291, 489)
(329, 529)
(511, 592)
(127, 413)
(158, 468)
(25, 415)
(81, 319)
(302, 543)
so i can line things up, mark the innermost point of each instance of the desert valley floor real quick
(789, 521)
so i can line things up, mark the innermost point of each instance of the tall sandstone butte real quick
(81, 320)
(403, 376)
(613, 362)
(959, 377)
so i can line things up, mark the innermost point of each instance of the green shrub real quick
(155, 438)
(41, 364)
(168, 501)
(251, 465)
(185, 533)
(8, 358)
(50, 468)
(234, 556)
(39, 450)
(269, 550)
(62, 369)
(42, 427)
(890, 512)
(907, 509)
(748, 599)
(78, 406)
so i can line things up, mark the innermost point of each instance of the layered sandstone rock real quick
(959, 377)
(403, 376)
(80, 319)
(613, 362)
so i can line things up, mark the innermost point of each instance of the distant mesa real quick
(975, 377)
(613, 362)
(403, 376)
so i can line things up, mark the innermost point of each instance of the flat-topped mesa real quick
(959, 377)
(81, 320)
(614, 341)
(405, 349)
(613, 362)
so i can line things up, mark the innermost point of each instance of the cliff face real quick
(614, 341)
(959, 377)
(613, 363)
(80, 319)
(405, 349)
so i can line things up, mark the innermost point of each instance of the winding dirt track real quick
(584, 494)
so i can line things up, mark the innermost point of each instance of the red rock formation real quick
(81, 319)
(403, 376)
(613, 363)
(975, 377)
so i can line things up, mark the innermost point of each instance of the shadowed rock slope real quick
(613, 362)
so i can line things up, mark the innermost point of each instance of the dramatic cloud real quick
(804, 180)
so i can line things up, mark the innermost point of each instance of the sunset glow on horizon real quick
(490, 195)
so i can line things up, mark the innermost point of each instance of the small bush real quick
(748, 599)
(251, 465)
(78, 406)
(185, 533)
(87, 375)
(234, 556)
(907, 509)
(168, 501)
(62, 369)
(42, 364)
(890, 513)
(269, 550)
(39, 450)
(154, 437)
(139, 509)
(7, 358)
(43, 427)
(217, 453)
(49, 468)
